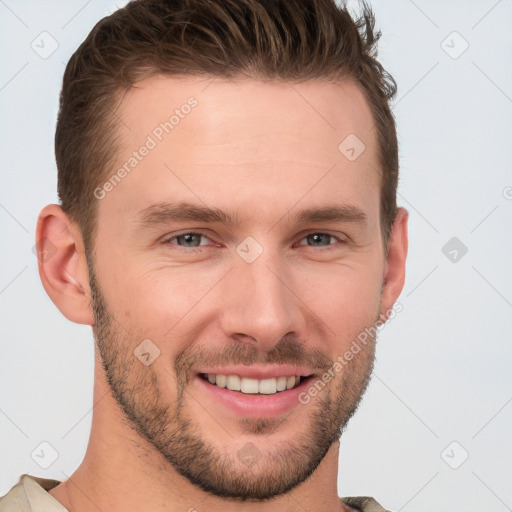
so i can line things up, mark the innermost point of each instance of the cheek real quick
(157, 298)
(345, 297)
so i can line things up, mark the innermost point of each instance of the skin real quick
(263, 151)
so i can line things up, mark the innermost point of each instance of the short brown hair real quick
(284, 40)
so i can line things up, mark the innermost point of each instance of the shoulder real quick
(30, 494)
(364, 503)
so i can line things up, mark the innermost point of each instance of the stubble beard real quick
(270, 472)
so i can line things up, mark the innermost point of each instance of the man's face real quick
(266, 291)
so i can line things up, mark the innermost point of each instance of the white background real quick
(443, 364)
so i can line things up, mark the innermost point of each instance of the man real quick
(228, 227)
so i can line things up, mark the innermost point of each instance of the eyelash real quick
(199, 248)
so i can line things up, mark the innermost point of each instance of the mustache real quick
(286, 351)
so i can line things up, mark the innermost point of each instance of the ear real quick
(62, 264)
(394, 272)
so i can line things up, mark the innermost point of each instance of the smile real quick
(255, 391)
(253, 386)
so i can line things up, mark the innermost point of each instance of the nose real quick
(260, 306)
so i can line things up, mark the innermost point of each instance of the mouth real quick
(250, 386)
(253, 393)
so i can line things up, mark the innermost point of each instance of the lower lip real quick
(255, 405)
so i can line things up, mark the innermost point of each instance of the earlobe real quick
(62, 264)
(394, 273)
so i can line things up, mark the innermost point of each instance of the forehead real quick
(265, 145)
(292, 111)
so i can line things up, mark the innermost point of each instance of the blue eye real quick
(319, 240)
(188, 240)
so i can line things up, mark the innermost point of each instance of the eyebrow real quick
(163, 213)
(166, 212)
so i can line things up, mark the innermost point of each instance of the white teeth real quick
(268, 386)
(248, 385)
(281, 383)
(233, 382)
(221, 381)
(290, 382)
(253, 386)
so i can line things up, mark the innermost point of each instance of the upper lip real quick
(260, 371)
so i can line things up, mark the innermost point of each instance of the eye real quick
(188, 240)
(320, 240)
